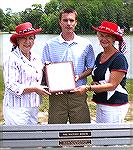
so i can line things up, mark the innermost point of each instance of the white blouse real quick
(20, 73)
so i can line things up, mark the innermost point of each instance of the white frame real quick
(60, 77)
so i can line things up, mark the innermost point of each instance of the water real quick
(5, 47)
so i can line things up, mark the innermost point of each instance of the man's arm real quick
(83, 74)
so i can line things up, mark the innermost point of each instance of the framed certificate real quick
(60, 76)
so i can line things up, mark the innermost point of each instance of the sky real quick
(20, 5)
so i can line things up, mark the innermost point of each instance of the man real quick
(69, 47)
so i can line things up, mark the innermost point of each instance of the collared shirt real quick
(20, 73)
(79, 51)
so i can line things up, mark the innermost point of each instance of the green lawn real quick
(44, 106)
(1, 92)
(1, 85)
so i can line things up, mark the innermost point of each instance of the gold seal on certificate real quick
(60, 76)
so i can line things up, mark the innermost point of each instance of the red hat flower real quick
(24, 29)
(110, 28)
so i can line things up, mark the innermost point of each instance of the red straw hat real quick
(23, 29)
(110, 28)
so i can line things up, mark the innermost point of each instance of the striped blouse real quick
(20, 73)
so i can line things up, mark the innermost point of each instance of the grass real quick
(44, 106)
(1, 92)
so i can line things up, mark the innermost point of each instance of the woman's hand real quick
(80, 90)
(42, 90)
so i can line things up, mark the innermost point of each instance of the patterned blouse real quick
(20, 73)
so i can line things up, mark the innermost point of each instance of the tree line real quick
(90, 12)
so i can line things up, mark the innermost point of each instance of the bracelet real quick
(88, 88)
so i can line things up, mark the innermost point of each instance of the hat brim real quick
(13, 38)
(118, 37)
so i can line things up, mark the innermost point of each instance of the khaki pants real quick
(68, 107)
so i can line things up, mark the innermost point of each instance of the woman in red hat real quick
(22, 78)
(109, 76)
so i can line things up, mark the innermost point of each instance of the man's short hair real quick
(68, 10)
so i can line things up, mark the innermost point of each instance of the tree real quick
(1, 19)
(44, 23)
(33, 15)
(51, 7)
(52, 24)
(7, 20)
(90, 12)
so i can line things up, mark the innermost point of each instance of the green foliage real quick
(1, 19)
(90, 12)
(45, 104)
(1, 85)
(32, 15)
(44, 23)
(51, 7)
(129, 87)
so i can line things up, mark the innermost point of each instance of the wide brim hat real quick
(24, 29)
(110, 28)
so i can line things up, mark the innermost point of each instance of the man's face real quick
(68, 22)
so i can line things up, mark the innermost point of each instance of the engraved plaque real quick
(74, 142)
(69, 134)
